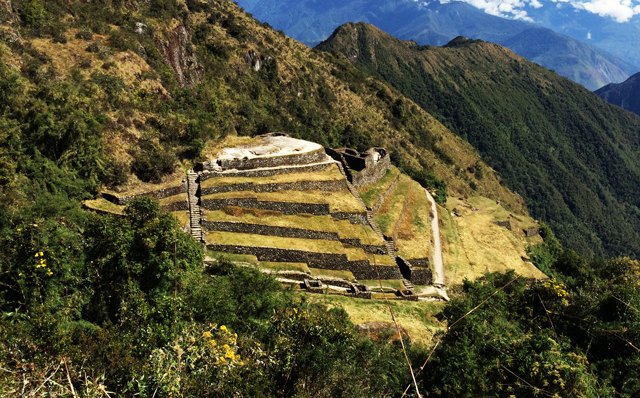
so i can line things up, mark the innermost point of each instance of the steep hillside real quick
(624, 94)
(437, 23)
(114, 94)
(571, 155)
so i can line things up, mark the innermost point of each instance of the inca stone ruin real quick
(289, 201)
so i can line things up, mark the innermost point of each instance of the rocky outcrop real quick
(9, 24)
(177, 51)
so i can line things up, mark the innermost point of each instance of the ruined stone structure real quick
(362, 168)
(239, 177)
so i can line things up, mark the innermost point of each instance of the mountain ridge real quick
(437, 24)
(570, 154)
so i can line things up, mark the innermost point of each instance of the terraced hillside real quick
(291, 208)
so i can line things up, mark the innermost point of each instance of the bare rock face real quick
(177, 51)
(9, 23)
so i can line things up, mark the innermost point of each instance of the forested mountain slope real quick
(436, 23)
(571, 155)
(126, 92)
(626, 94)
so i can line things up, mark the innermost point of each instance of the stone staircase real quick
(407, 284)
(195, 214)
(372, 222)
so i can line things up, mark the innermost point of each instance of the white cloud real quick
(619, 10)
(589, 36)
(505, 8)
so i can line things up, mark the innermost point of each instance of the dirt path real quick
(438, 277)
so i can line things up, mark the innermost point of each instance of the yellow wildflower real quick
(229, 354)
(41, 253)
(206, 335)
(36, 255)
(223, 328)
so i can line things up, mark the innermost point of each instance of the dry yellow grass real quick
(182, 216)
(414, 233)
(418, 318)
(137, 186)
(101, 204)
(331, 173)
(341, 201)
(182, 197)
(390, 211)
(275, 266)
(272, 218)
(472, 245)
(234, 258)
(357, 231)
(370, 193)
(311, 245)
(328, 273)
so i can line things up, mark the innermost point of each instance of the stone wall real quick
(419, 262)
(364, 270)
(328, 186)
(506, 224)
(532, 232)
(421, 276)
(331, 261)
(157, 194)
(356, 163)
(353, 218)
(268, 172)
(239, 227)
(176, 206)
(383, 197)
(374, 249)
(371, 174)
(247, 164)
(287, 208)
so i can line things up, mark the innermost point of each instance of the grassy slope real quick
(472, 245)
(162, 114)
(571, 155)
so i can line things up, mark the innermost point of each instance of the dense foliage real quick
(125, 302)
(574, 335)
(572, 156)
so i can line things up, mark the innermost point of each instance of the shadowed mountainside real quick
(570, 154)
(626, 94)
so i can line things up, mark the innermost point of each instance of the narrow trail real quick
(438, 277)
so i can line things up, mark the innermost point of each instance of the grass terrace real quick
(473, 245)
(371, 193)
(182, 216)
(414, 233)
(101, 204)
(172, 199)
(234, 258)
(328, 273)
(141, 187)
(356, 231)
(251, 240)
(300, 267)
(272, 218)
(374, 284)
(331, 173)
(357, 254)
(341, 201)
(418, 318)
(391, 209)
